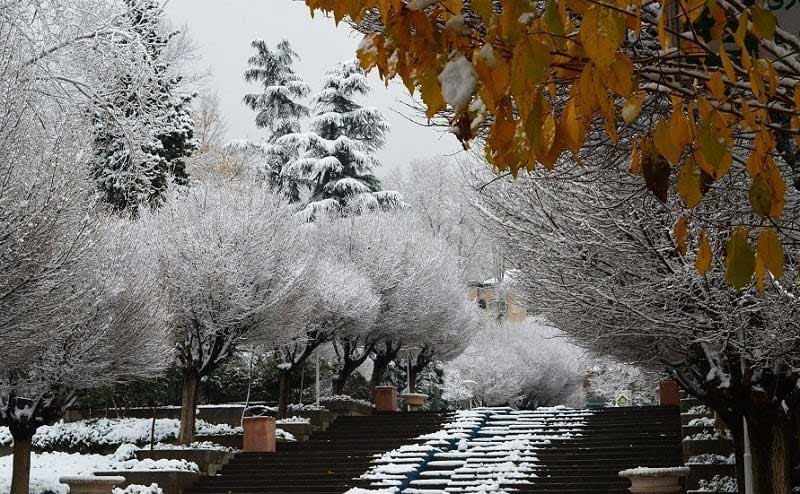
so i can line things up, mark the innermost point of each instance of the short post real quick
(317, 380)
(259, 435)
(385, 399)
(669, 393)
(89, 484)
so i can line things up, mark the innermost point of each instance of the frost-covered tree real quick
(279, 109)
(599, 258)
(337, 297)
(143, 128)
(226, 260)
(76, 313)
(336, 161)
(437, 191)
(525, 364)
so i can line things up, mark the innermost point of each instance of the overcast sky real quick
(223, 29)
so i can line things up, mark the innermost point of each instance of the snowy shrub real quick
(344, 399)
(718, 484)
(608, 378)
(86, 434)
(699, 410)
(707, 436)
(149, 464)
(293, 420)
(712, 459)
(703, 422)
(139, 489)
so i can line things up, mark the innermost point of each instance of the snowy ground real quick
(46, 468)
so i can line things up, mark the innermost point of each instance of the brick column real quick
(259, 434)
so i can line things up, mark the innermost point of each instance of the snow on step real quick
(497, 456)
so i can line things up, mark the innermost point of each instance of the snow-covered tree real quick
(436, 190)
(143, 128)
(279, 109)
(524, 364)
(336, 160)
(76, 313)
(226, 260)
(597, 255)
(337, 298)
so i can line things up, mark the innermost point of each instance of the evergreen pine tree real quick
(144, 131)
(278, 107)
(336, 161)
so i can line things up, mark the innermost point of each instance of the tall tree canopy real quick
(279, 107)
(336, 160)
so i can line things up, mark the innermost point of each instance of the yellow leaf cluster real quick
(552, 72)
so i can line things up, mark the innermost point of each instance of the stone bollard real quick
(669, 393)
(91, 484)
(655, 480)
(259, 435)
(386, 399)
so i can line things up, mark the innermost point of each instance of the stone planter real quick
(655, 480)
(348, 408)
(385, 399)
(259, 435)
(93, 484)
(414, 401)
(669, 393)
(170, 481)
(300, 431)
(210, 461)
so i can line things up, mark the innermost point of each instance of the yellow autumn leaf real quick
(770, 250)
(431, 92)
(760, 274)
(716, 86)
(662, 138)
(704, 255)
(631, 108)
(483, 8)
(689, 184)
(727, 65)
(740, 261)
(764, 22)
(681, 232)
(602, 33)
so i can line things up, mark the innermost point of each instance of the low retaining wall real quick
(210, 461)
(170, 481)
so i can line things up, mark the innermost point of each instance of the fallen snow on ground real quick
(46, 468)
(94, 432)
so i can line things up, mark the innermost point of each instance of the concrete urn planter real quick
(90, 484)
(655, 480)
(414, 401)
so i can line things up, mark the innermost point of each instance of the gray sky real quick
(223, 29)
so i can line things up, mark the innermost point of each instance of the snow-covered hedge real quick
(293, 420)
(85, 434)
(712, 459)
(718, 484)
(344, 398)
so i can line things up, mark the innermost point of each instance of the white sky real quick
(223, 29)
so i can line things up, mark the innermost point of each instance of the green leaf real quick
(740, 262)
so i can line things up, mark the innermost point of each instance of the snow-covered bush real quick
(607, 378)
(343, 398)
(87, 434)
(526, 364)
(139, 489)
(712, 459)
(718, 484)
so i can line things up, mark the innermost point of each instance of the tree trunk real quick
(191, 382)
(736, 427)
(379, 367)
(21, 471)
(283, 393)
(769, 445)
(342, 376)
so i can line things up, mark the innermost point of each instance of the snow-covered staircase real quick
(549, 450)
(326, 464)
